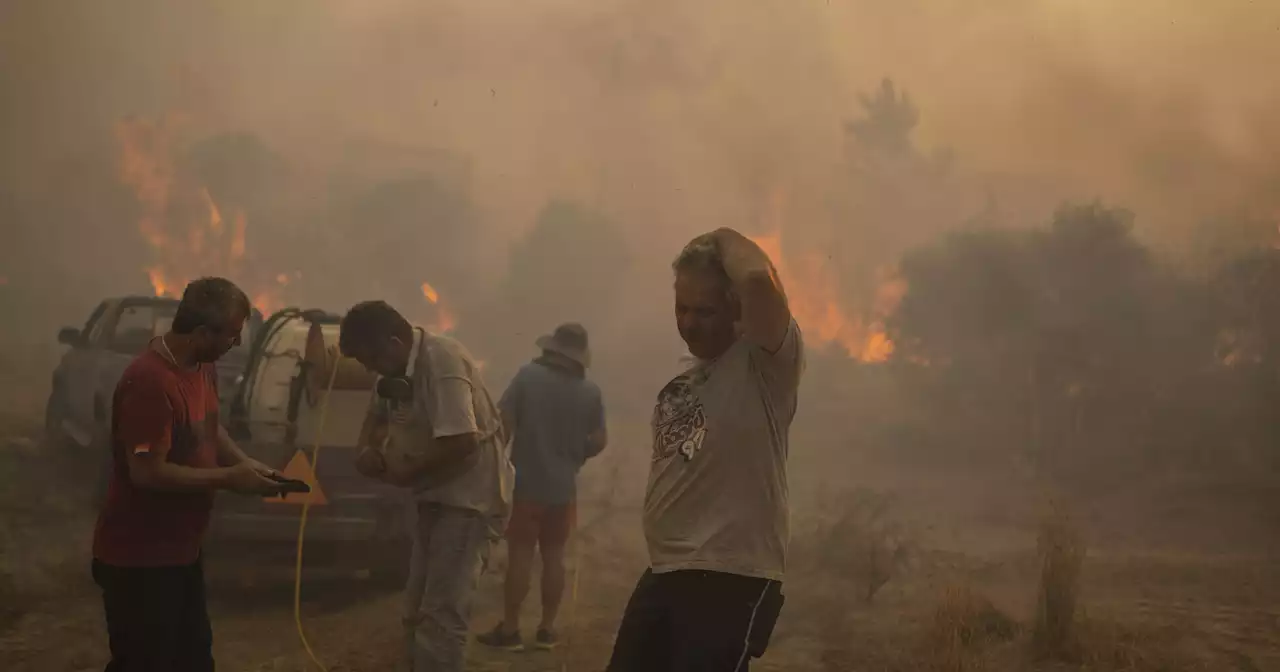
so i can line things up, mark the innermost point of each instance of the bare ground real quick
(1192, 588)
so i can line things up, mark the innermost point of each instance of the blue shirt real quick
(553, 412)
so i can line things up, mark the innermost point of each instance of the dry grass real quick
(860, 542)
(965, 624)
(44, 524)
(1062, 552)
(964, 631)
(1129, 647)
(944, 610)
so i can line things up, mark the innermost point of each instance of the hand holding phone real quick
(288, 485)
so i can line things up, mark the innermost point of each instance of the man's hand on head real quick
(766, 316)
(741, 257)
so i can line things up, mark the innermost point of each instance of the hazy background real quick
(368, 147)
(1033, 247)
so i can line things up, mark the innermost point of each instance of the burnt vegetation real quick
(1074, 343)
(1063, 343)
(1066, 355)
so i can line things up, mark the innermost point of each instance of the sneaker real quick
(545, 640)
(498, 638)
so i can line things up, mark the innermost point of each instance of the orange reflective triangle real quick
(299, 468)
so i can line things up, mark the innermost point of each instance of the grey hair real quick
(209, 302)
(701, 254)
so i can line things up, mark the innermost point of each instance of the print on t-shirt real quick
(679, 422)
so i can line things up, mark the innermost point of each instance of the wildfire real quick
(813, 294)
(181, 222)
(444, 321)
(270, 298)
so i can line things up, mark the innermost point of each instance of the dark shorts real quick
(543, 524)
(156, 618)
(695, 621)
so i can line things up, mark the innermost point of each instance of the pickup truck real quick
(78, 412)
(271, 402)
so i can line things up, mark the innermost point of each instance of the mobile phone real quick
(288, 485)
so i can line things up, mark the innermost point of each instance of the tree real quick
(396, 233)
(416, 221)
(887, 122)
(1060, 341)
(569, 266)
(968, 317)
(1248, 294)
(238, 169)
(1247, 298)
(895, 197)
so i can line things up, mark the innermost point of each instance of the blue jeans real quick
(450, 549)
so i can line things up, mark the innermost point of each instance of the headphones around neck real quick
(400, 388)
(395, 388)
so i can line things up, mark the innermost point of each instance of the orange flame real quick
(158, 282)
(269, 299)
(444, 321)
(812, 289)
(181, 222)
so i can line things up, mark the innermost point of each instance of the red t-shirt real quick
(157, 403)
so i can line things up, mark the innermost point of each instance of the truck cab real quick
(78, 411)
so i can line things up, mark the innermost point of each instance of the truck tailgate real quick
(345, 506)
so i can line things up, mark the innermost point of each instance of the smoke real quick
(670, 118)
(1157, 105)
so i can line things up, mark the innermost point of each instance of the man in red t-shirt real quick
(169, 455)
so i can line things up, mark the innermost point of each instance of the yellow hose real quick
(302, 524)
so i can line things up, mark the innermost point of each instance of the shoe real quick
(498, 638)
(545, 640)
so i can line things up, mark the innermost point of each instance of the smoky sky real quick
(671, 117)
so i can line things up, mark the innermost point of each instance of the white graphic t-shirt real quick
(717, 493)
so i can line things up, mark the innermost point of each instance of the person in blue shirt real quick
(557, 419)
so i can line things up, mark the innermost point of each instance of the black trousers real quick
(156, 618)
(696, 621)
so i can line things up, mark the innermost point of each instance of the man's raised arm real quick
(766, 316)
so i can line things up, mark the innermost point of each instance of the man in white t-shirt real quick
(716, 513)
(444, 440)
